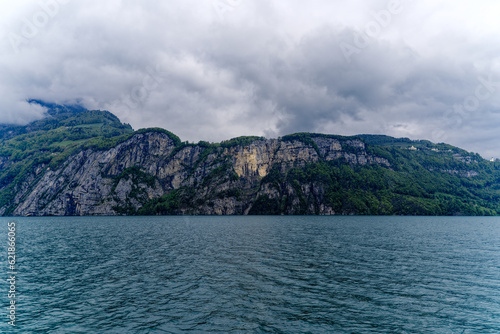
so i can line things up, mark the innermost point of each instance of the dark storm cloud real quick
(218, 69)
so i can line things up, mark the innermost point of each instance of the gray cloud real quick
(222, 68)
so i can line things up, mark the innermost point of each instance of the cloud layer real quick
(215, 69)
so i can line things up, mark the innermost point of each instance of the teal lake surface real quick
(258, 274)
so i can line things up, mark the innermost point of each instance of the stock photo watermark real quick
(11, 273)
(222, 7)
(484, 91)
(372, 29)
(455, 116)
(140, 93)
(33, 24)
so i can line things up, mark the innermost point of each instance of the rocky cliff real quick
(153, 172)
(224, 180)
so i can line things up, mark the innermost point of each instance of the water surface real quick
(256, 275)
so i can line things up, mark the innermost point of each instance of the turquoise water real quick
(254, 275)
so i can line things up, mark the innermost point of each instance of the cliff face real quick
(222, 180)
(86, 162)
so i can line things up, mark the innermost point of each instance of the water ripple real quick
(258, 275)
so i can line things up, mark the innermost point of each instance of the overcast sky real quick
(217, 69)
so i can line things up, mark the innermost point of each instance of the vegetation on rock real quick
(365, 174)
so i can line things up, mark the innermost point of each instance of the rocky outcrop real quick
(149, 167)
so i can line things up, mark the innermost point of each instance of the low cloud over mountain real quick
(220, 68)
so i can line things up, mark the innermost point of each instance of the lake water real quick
(254, 275)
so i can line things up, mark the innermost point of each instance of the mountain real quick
(86, 162)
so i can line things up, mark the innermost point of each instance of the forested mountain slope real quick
(81, 162)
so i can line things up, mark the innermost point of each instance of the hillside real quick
(81, 162)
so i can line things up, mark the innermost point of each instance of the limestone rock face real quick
(354, 152)
(255, 159)
(214, 179)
